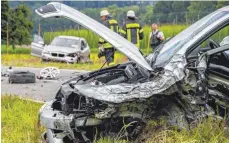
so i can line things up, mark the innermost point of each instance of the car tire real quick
(227, 121)
(89, 57)
(77, 61)
(173, 114)
(44, 60)
(22, 77)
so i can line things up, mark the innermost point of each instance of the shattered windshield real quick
(64, 42)
(176, 43)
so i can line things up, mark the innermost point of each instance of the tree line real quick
(16, 25)
(23, 21)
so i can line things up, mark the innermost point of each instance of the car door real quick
(37, 46)
(85, 50)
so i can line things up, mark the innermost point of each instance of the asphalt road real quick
(42, 90)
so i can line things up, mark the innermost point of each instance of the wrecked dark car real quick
(184, 79)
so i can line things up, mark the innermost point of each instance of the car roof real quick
(226, 8)
(70, 37)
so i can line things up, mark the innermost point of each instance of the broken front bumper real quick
(62, 59)
(55, 120)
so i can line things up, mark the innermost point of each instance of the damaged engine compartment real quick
(86, 118)
(74, 117)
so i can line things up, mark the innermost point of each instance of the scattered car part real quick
(68, 49)
(6, 72)
(49, 72)
(119, 100)
(22, 77)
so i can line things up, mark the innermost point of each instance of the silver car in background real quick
(68, 49)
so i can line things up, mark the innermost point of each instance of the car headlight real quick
(45, 52)
(72, 55)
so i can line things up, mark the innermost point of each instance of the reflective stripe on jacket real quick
(132, 31)
(113, 25)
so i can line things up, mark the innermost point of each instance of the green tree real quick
(168, 11)
(199, 9)
(161, 11)
(20, 25)
(179, 10)
(147, 16)
(4, 18)
(222, 4)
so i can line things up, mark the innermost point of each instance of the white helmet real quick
(104, 12)
(130, 13)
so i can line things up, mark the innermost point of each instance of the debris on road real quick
(6, 72)
(22, 77)
(49, 73)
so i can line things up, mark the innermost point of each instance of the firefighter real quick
(105, 48)
(132, 29)
(156, 36)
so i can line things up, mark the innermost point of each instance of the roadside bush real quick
(18, 50)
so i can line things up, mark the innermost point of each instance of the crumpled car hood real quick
(60, 49)
(55, 9)
(173, 72)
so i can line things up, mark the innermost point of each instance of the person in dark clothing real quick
(132, 29)
(106, 49)
(156, 37)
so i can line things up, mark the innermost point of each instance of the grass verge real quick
(19, 120)
(19, 125)
(26, 60)
(207, 131)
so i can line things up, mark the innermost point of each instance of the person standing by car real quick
(105, 48)
(156, 37)
(132, 29)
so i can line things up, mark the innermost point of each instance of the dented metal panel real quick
(173, 72)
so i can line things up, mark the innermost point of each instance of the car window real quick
(83, 45)
(65, 42)
(37, 39)
(219, 37)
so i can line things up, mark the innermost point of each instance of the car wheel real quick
(22, 77)
(174, 116)
(227, 121)
(89, 57)
(44, 60)
(49, 72)
(44, 138)
(78, 60)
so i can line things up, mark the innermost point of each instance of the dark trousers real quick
(154, 46)
(109, 55)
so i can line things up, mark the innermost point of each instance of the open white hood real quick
(55, 9)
